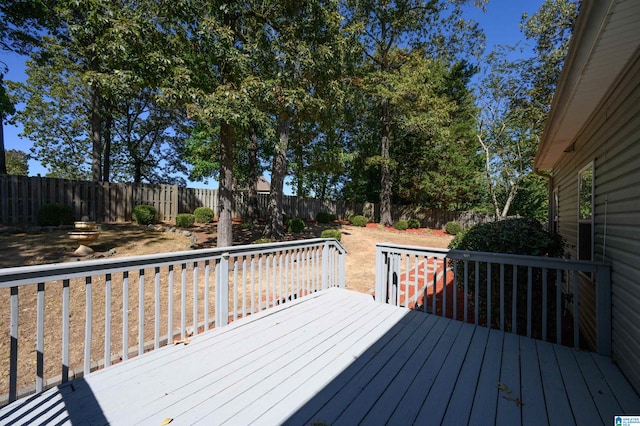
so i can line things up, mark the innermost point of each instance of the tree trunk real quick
(385, 175)
(137, 170)
(274, 228)
(96, 139)
(225, 191)
(487, 168)
(3, 155)
(252, 202)
(299, 175)
(512, 195)
(106, 167)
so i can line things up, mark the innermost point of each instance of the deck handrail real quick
(393, 262)
(244, 279)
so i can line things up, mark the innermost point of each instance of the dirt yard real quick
(120, 240)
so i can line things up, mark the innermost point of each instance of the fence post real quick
(222, 292)
(603, 309)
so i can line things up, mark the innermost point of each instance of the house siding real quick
(611, 139)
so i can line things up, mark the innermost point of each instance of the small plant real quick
(185, 220)
(144, 214)
(55, 215)
(414, 224)
(453, 228)
(359, 220)
(324, 217)
(263, 241)
(247, 224)
(401, 225)
(203, 215)
(296, 225)
(331, 233)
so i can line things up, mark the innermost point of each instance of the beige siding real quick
(611, 139)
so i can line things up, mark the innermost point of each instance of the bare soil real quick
(120, 240)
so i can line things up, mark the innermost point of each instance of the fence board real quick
(21, 197)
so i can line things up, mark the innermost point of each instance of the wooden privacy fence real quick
(21, 198)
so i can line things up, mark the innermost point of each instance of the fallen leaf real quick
(504, 388)
(518, 402)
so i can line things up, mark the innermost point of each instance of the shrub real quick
(513, 236)
(414, 224)
(185, 220)
(144, 214)
(401, 225)
(324, 217)
(331, 233)
(263, 241)
(453, 228)
(203, 215)
(296, 225)
(55, 215)
(359, 221)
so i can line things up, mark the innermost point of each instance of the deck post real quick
(222, 292)
(325, 265)
(603, 309)
(341, 269)
(381, 284)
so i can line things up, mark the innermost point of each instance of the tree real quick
(515, 98)
(22, 24)
(17, 162)
(303, 53)
(391, 33)
(439, 164)
(92, 94)
(6, 109)
(211, 47)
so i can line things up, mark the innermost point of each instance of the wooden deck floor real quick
(337, 357)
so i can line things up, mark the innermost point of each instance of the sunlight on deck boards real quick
(337, 357)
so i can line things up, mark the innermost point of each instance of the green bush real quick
(401, 225)
(359, 220)
(185, 220)
(203, 215)
(55, 215)
(453, 228)
(324, 217)
(296, 225)
(263, 241)
(144, 214)
(513, 236)
(331, 233)
(414, 224)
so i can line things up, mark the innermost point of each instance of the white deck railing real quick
(180, 293)
(527, 295)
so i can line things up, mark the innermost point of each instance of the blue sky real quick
(500, 24)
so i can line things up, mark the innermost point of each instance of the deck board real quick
(558, 409)
(340, 358)
(509, 395)
(533, 402)
(486, 396)
(461, 400)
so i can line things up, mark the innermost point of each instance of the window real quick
(585, 213)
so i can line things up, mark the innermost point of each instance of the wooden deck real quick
(337, 357)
